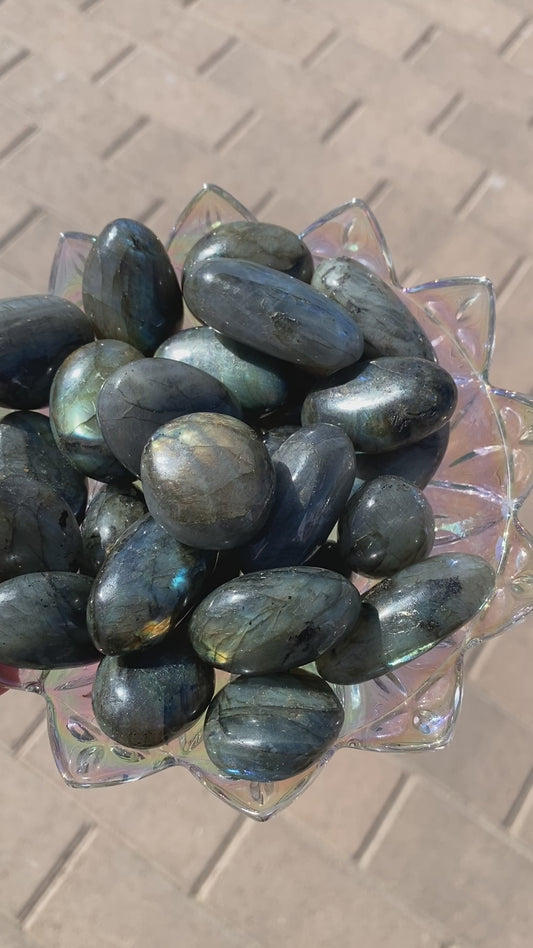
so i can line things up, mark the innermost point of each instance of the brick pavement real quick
(123, 109)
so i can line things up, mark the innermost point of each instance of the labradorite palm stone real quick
(143, 395)
(257, 381)
(38, 530)
(416, 463)
(130, 289)
(384, 404)
(147, 583)
(73, 401)
(111, 512)
(208, 480)
(146, 699)
(386, 525)
(271, 727)
(274, 313)
(408, 614)
(27, 446)
(42, 621)
(273, 620)
(36, 334)
(314, 476)
(268, 244)
(387, 325)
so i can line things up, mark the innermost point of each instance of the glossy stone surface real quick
(416, 463)
(130, 289)
(314, 475)
(42, 621)
(273, 313)
(111, 512)
(36, 334)
(268, 244)
(147, 583)
(208, 480)
(387, 325)
(73, 400)
(386, 526)
(257, 381)
(27, 446)
(274, 620)
(384, 404)
(146, 699)
(270, 727)
(38, 530)
(407, 614)
(273, 438)
(142, 396)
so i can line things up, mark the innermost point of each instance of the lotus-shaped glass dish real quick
(476, 495)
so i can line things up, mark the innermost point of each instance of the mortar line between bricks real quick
(152, 208)
(233, 133)
(14, 61)
(72, 852)
(512, 279)
(30, 735)
(217, 56)
(33, 214)
(380, 826)
(115, 61)
(472, 196)
(19, 139)
(378, 191)
(87, 5)
(511, 820)
(421, 43)
(446, 115)
(263, 202)
(221, 858)
(515, 39)
(322, 47)
(341, 119)
(125, 137)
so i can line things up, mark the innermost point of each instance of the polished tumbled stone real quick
(111, 512)
(146, 699)
(274, 313)
(36, 334)
(147, 583)
(42, 621)
(271, 727)
(27, 446)
(416, 463)
(384, 404)
(268, 244)
(38, 530)
(208, 480)
(386, 525)
(387, 325)
(273, 438)
(257, 381)
(273, 620)
(408, 614)
(142, 396)
(130, 289)
(314, 476)
(73, 400)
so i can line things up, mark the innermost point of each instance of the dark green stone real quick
(274, 620)
(146, 699)
(407, 614)
(387, 325)
(268, 244)
(130, 289)
(271, 727)
(147, 583)
(42, 621)
(111, 512)
(384, 404)
(208, 480)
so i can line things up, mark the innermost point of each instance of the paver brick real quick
(503, 673)
(399, 27)
(486, 20)
(511, 364)
(505, 207)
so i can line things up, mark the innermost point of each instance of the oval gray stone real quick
(274, 620)
(271, 727)
(274, 313)
(112, 511)
(384, 404)
(408, 614)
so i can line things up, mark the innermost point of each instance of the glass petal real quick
(67, 267)
(351, 230)
(515, 413)
(207, 209)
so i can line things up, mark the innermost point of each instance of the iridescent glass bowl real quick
(475, 494)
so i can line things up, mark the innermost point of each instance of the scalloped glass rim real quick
(484, 478)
